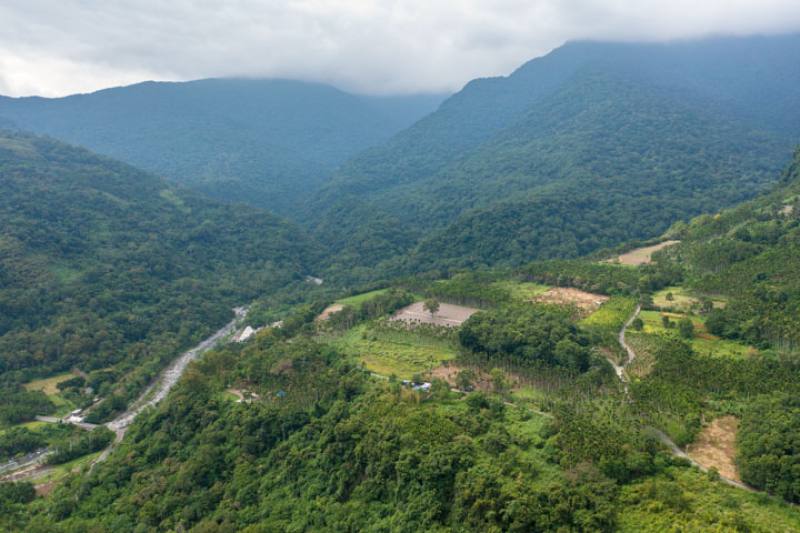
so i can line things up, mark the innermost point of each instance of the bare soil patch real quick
(587, 302)
(328, 311)
(716, 447)
(642, 256)
(45, 488)
(448, 372)
(482, 382)
(448, 314)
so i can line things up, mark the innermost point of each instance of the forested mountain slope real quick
(263, 142)
(592, 132)
(103, 266)
(535, 434)
(752, 253)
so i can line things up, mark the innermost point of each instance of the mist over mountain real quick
(646, 132)
(567, 299)
(262, 142)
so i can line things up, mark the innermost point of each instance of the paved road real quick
(170, 376)
(31, 464)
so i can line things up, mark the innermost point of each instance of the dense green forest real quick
(266, 143)
(592, 145)
(327, 448)
(438, 379)
(538, 434)
(109, 270)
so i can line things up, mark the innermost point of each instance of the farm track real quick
(660, 435)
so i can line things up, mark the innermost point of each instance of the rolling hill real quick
(103, 266)
(589, 146)
(267, 143)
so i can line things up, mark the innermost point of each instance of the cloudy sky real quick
(57, 47)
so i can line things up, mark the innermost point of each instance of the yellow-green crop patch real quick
(33, 426)
(49, 385)
(703, 342)
(402, 353)
(522, 290)
(611, 315)
(683, 499)
(682, 300)
(360, 298)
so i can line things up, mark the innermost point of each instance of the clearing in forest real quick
(587, 302)
(641, 256)
(388, 351)
(448, 314)
(358, 299)
(682, 300)
(715, 447)
(328, 311)
(449, 371)
(49, 385)
(523, 291)
(703, 342)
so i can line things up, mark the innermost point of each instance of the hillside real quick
(268, 143)
(510, 420)
(626, 132)
(106, 268)
(751, 253)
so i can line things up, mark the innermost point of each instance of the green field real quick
(360, 298)
(704, 343)
(611, 315)
(683, 300)
(521, 290)
(33, 426)
(389, 352)
(49, 387)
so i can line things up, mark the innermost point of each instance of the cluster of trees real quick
(527, 334)
(14, 441)
(384, 457)
(20, 405)
(102, 265)
(768, 457)
(469, 288)
(377, 306)
(751, 254)
(85, 443)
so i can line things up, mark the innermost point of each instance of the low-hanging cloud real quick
(57, 47)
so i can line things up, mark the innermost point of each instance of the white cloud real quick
(55, 47)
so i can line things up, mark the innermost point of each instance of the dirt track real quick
(660, 435)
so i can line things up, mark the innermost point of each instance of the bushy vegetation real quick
(19, 405)
(751, 253)
(86, 443)
(767, 441)
(527, 334)
(379, 305)
(102, 265)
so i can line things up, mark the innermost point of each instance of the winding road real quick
(32, 464)
(660, 435)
